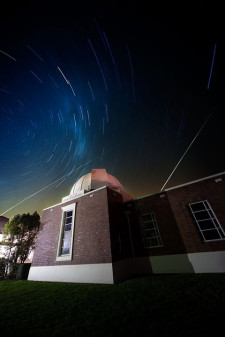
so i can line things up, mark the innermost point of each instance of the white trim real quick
(71, 207)
(177, 263)
(82, 273)
(75, 197)
(208, 262)
(195, 181)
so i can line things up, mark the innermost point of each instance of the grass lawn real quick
(159, 305)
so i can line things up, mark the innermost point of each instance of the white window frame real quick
(66, 257)
(211, 216)
(156, 229)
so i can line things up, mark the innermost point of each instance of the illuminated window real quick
(206, 221)
(150, 230)
(65, 244)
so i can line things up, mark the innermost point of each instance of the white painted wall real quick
(178, 263)
(208, 262)
(83, 273)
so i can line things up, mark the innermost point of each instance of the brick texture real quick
(91, 242)
(170, 235)
(108, 229)
(179, 198)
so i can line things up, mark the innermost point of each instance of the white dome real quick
(84, 183)
(97, 179)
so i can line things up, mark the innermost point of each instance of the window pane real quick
(68, 227)
(199, 206)
(69, 220)
(69, 213)
(149, 225)
(211, 234)
(67, 235)
(150, 233)
(206, 224)
(153, 242)
(66, 242)
(65, 250)
(202, 215)
(146, 217)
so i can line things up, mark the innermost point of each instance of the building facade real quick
(100, 234)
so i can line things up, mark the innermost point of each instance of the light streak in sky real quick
(36, 77)
(132, 73)
(187, 150)
(49, 158)
(106, 111)
(88, 118)
(67, 81)
(44, 188)
(108, 46)
(91, 91)
(98, 64)
(7, 92)
(181, 124)
(53, 81)
(7, 55)
(35, 53)
(214, 53)
(74, 118)
(81, 111)
(100, 33)
(59, 118)
(102, 154)
(72, 89)
(71, 143)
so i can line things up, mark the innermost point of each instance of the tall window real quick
(150, 230)
(206, 221)
(65, 243)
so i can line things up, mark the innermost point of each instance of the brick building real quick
(100, 234)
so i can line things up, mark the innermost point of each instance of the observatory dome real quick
(96, 179)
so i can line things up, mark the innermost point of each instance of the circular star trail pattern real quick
(105, 86)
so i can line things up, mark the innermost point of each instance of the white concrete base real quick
(83, 273)
(178, 263)
(208, 262)
(108, 273)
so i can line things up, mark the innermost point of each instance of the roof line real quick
(75, 197)
(194, 181)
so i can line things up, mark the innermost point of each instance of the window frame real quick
(156, 229)
(59, 256)
(213, 218)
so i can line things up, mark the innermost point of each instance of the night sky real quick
(114, 85)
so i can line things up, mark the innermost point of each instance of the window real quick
(65, 244)
(206, 221)
(150, 230)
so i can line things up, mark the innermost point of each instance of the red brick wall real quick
(91, 232)
(170, 235)
(179, 198)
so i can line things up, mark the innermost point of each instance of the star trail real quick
(114, 86)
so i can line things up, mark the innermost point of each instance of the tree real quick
(20, 236)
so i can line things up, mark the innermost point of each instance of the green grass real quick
(159, 305)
